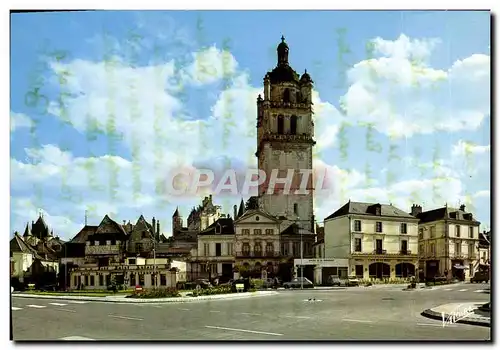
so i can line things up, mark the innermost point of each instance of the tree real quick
(252, 203)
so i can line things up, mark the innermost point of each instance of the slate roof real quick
(81, 237)
(226, 225)
(445, 213)
(39, 228)
(17, 244)
(362, 208)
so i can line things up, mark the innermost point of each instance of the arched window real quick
(293, 125)
(286, 95)
(296, 208)
(281, 124)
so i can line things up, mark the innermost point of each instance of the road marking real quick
(481, 291)
(448, 289)
(361, 321)
(126, 318)
(434, 325)
(77, 302)
(249, 314)
(184, 309)
(57, 304)
(75, 338)
(297, 316)
(214, 311)
(243, 330)
(463, 290)
(13, 308)
(36, 306)
(67, 310)
(312, 300)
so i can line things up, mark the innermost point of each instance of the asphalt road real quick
(349, 314)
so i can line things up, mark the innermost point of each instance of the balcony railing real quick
(287, 137)
(258, 254)
(281, 104)
(405, 252)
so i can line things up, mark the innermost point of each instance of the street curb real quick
(123, 300)
(429, 313)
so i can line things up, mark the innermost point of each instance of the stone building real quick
(448, 242)
(285, 131)
(257, 243)
(215, 252)
(198, 220)
(369, 241)
(126, 255)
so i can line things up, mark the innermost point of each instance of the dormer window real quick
(88, 243)
(217, 229)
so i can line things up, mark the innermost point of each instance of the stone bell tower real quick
(285, 131)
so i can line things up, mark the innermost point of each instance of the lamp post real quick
(301, 258)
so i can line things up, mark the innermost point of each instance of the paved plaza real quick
(358, 313)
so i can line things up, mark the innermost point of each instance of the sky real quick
(106, 104)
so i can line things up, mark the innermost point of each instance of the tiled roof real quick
(226, 227)
(82, 236)
(361, 208)
(445, 213)
(17, 244)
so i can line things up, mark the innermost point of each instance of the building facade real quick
(484, 251)
(257, 243)
(448, 242)
(285, 131)
(215, 252)
(372, 241)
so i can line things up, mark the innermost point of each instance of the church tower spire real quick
(285, 138)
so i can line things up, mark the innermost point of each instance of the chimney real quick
(158, 228)
(124, 222)
(154, 227)
(235, 209)
(415, 210)
(462, 207)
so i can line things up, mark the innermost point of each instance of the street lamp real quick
(301, 258)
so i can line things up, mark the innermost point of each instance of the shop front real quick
(318, 270)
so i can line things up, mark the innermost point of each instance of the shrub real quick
(158, 293)
(212, 291)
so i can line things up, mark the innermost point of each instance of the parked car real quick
(350, 281)
(480, 277)
(299, 282)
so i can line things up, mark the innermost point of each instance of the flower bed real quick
(158, 293)
(212, 291)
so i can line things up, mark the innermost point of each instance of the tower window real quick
(293, 125)
(298, 97)
(296, 208)
(281, 125)
(286, 95)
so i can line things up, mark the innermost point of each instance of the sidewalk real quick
(124, 300)
(459, 311)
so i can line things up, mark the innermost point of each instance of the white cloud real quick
(209, 66)
(464, 148)
(482, 194)
(19, 120)
(400, 94)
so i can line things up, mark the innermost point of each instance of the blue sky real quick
(424, 90)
